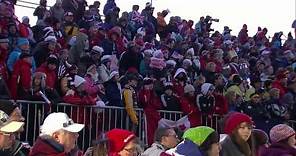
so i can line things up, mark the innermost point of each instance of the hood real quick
(80, 40)
(205, 88)
(179, 70)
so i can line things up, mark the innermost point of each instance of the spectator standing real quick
(21, 77)
(130, 99)
(114, 90)
(57, 10)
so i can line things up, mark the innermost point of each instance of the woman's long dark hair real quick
(246, 147)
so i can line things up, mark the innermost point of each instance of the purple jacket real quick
(279, 149)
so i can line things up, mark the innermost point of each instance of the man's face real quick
(52, 66)
(134, 83)
(69, 18)
(25, 47)
(6, 140)
(26, 21)
(171, 139)
(51, 46)
(169, 92)
(67, 139)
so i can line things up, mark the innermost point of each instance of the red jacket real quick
(83, 112)
(189, 107)
(277, 84)
(151, 104)
(221, 105)
(21, 77)
(51, 76)
(3, 67)
(178, 89)
(47, 147)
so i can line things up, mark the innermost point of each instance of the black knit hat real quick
(52, 60)
(7, 106)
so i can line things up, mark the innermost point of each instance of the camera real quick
(214, 19)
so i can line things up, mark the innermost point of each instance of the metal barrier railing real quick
(97, 120)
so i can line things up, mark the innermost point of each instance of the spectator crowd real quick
(75, 54)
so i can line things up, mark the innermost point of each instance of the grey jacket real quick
(229, 148)
(155, 150)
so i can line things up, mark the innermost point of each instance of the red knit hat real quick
(234, 120)
(118, 138)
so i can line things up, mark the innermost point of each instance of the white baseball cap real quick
(59, 121)
(8, 126)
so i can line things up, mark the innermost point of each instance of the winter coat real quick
(186, 148)
(90, 87)
(80, 114)
(279, 149)
(71, 29)
(178, 89)
(155, 150)
(170, 103)
(19, 149)
(49, 147)
(151, 104)
(14, 56)
(189, 107)
(130, 59)
(289, 99)
(21, 79)
(104, 73)
(109, 6)
(3, 66)
(41, 53)
(70, 5)
(113, 93)
(39, 12)
(229, 148)
(108, 46)
(221, 105)
(277, 84)
(276, 110)
(206, 104)
(243, 36)
(51, 76)
(258, 113)
(57, 12)
(130, 103)
(78, 49)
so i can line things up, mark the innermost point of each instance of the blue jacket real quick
(108, 6)
(14, 56)
(185, 148)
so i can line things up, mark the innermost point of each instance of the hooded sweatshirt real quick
(78, 49)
